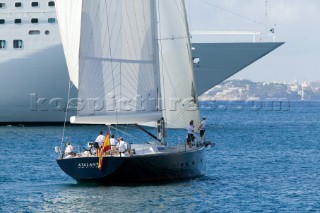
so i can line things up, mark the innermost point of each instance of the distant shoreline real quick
(235, 90)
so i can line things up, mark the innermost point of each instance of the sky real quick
(295, 22)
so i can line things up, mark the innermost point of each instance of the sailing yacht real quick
(134, 58)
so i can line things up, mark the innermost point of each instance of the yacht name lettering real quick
(87, 165)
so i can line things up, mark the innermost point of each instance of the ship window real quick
(17, 44)
(34, 20)
(47, 32)
(2, 21)
(2, 5)
(51, 4)
(34, 32)
(18, 4)
(2, 44)
(51, 20)
(17, 21)
(34, 4)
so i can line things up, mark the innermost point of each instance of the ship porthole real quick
(47, 32)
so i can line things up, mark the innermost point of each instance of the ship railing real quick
(138, 149)
(256, 36)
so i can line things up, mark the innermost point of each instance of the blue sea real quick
(266, 158)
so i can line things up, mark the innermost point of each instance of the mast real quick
(154, 25)
(193, 92)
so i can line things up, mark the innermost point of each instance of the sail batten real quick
(119, 60)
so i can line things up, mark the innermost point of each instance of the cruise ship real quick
(34, 80)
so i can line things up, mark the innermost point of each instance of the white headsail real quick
(177, 80)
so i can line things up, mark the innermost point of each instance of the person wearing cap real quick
(202, 128)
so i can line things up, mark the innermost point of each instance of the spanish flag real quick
(105, 147)
(100, 160)
(106, 144)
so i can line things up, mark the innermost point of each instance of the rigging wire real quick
(124, 132)
(111, 62)
(159, 41)
(268, 28)
(190, 53)
(189, 14)
(66, 114)
(89, 44)
(234, 13)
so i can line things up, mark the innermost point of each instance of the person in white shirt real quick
(190, 129)
(113, 143)
(69, 150)
(202, 128)
(122, 146)
(99, 140)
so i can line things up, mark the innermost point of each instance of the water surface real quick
(264, 160)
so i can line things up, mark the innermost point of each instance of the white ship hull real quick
(25, 80)
(34, 88)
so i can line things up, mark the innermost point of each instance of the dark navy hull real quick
(147, 168)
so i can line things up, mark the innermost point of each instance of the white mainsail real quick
(130, 54)
(69, 16)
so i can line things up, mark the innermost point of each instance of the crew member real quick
(190, 129)
(99, 140)
(202, 128)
